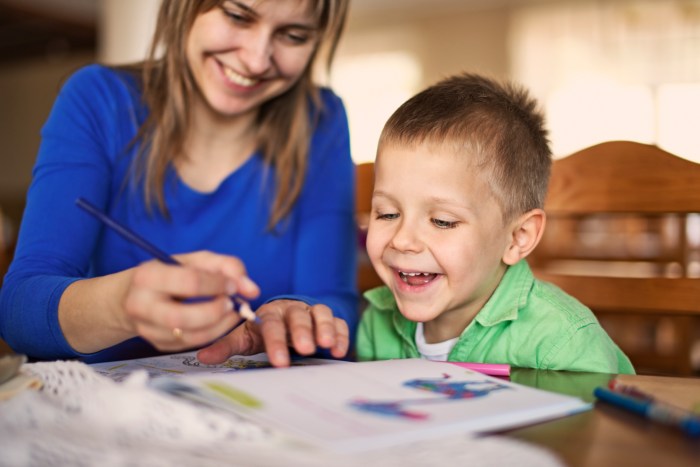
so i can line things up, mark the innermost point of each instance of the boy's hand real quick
(285, 323)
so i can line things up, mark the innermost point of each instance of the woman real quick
(221, 151)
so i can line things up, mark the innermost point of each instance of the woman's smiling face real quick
(436, 233)
(245, 52)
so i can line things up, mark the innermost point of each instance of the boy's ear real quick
(526, 232)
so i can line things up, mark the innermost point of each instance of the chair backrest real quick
(623, 236)
(364, 186)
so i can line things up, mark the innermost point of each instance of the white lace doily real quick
(82, 418)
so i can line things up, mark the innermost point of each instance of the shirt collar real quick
(382, 299)
(509, 297)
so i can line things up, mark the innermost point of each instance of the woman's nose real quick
(256, 52)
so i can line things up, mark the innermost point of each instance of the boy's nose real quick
(256, 53)
(406, 239)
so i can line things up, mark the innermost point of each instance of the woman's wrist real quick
(91, 313)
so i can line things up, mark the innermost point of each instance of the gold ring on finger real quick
(177, 333)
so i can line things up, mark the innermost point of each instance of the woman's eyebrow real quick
(310, 26)
(245, 8)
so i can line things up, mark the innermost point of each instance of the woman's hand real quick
(181, 307)
(285, 323)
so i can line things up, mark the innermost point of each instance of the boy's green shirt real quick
(526, 323)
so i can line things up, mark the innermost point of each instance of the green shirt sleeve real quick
(588, 348)
(363, 345)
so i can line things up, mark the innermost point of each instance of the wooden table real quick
(606, 435)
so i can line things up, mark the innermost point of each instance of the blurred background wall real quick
(603, 69)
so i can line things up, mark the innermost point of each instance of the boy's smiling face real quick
(436, 236)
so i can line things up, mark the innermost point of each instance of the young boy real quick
(460, 179)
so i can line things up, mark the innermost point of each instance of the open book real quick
(357, 406)
(186, 363)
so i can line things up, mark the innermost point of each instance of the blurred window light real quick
(372, 87)
(612, 70)
(678, 117)
(593, 108)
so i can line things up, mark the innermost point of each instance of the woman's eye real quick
(296, 37)
(444, 224)
(236, 16)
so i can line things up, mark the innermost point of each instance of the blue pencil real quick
(239, 304)
(653, 410)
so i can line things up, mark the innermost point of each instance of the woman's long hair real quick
(284, 124)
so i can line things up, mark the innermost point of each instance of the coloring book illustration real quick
(451, 390)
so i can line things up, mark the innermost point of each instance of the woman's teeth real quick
(239, 79)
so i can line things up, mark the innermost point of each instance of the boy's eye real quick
(387, 217)
(444, 224)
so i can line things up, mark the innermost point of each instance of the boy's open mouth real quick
(417, 278)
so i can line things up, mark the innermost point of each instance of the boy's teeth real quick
(417, 278)
(239, 79)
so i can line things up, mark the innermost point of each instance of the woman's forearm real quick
(91, 313)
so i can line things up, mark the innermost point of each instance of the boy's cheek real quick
(375, 247)
(372, 249)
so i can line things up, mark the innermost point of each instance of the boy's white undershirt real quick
(438, 351)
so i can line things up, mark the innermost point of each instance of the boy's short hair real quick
(497, 123)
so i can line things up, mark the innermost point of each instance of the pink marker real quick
(491, 369)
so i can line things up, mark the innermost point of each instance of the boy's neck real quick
(448, 325)
(452, 323)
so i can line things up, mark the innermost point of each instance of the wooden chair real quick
(623, 236)
(364, 185)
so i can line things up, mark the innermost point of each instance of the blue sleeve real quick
(326, 254)
(56, 240)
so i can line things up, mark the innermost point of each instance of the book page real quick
(356, 406)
